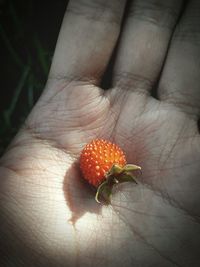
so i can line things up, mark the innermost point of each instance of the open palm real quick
(154, 223)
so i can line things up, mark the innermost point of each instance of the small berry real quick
(103, 164)
(97, 158)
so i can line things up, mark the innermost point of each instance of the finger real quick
(180, 81)
(88, 34)
(144, 42)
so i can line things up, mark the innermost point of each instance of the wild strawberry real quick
(103, 165)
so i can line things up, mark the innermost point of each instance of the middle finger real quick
(144, 42)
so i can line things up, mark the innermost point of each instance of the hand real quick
(49, 215)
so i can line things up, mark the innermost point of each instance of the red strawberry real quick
(103, 165)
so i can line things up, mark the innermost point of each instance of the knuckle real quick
(130, 80)
(105, 11)
(159, 13)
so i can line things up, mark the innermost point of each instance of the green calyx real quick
(115, 176)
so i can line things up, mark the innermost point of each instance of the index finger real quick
(87, 37)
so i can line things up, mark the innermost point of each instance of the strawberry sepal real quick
(115, 176)
(104, 191)
(126, 177)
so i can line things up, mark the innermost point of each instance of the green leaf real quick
(115, 169)
(104, 191)
(41, 55)
(131, 167)
(126, 177)
(10, 48)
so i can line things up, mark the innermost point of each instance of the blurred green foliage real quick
(27, 60)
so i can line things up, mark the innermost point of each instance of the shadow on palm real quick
(79, 195)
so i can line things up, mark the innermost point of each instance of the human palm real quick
(153, 223)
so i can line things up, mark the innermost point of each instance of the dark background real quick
(28, 35)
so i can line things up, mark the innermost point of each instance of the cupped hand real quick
(49, 215)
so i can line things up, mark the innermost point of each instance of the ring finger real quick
(146, 35)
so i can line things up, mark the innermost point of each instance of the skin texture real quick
(48, 213)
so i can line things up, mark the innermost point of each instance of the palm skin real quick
(60, 206)
(49, 215)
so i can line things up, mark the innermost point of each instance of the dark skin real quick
(48, 213)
